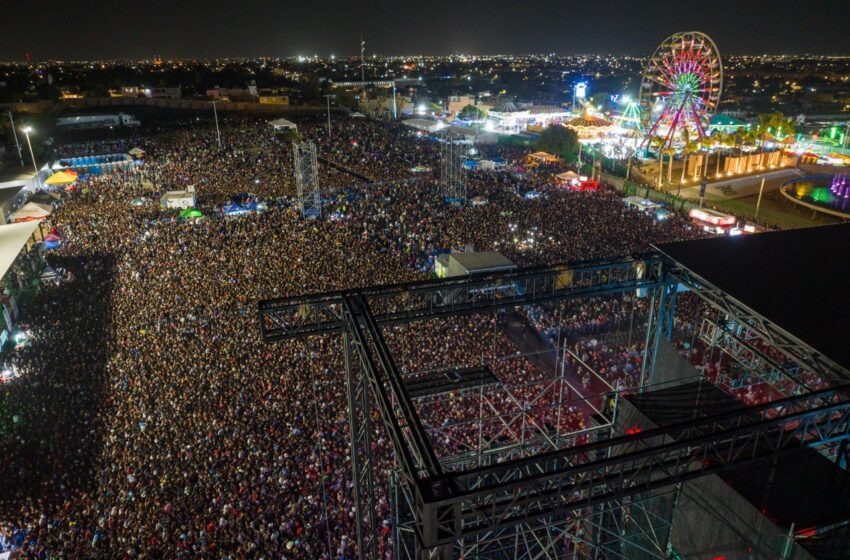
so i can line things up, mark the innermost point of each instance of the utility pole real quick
(217, 130)
(758, 204)
(27, 131)
(18, 144)
(328, 97)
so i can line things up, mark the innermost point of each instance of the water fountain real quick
(824, 193)
(840, 186)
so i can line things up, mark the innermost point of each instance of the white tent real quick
(178, 199)
(136, 152)
(280, 125)
(13, 237)
(31, 211)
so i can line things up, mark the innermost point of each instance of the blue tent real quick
(234, 209)
(50, 245)
(470, 164)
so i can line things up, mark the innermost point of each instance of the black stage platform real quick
(798, 279)
(805, 490)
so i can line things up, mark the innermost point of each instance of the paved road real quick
(741, 187)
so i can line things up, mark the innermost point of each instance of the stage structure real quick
(525, 485)
(307, 179)
(452, 175)
(680, 88)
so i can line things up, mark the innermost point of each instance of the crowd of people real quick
(151, 420)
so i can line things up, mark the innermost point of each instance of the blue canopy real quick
(232, 209)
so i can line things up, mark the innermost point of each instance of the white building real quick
(509, 118)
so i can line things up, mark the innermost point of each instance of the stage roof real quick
(796, 278)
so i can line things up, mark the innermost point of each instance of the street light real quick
(26, 130)
(17, 144)
(328, 97)
(217, 129)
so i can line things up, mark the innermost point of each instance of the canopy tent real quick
(543, 157)
(234, 209)
(280, 125)
(31, 211)
(191, 213)
(178, 199)
(640, 203)
(137, 202)
(136, 152)
(13, 237)
(61, 178)
(567, 177)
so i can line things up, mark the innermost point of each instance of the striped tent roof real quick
(545, 109)
(589, 121)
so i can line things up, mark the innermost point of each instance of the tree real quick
(601, 100)
(471, 112)
(559, 140)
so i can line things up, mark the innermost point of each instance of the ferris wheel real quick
(680, 88)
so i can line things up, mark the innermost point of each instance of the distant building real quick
(274, 100)
(510, 118)
(162, 92)
(456, 103)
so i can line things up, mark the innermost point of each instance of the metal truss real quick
(452, 176)
(307, 179)
(306, 315)
(537, 493)
(739, 343)
(740, 317)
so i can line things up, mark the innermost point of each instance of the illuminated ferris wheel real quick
(680, 88)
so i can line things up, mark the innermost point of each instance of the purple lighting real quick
(840, 186)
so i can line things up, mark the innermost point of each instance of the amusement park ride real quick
(680, 89)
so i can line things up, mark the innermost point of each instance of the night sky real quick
(103, 29)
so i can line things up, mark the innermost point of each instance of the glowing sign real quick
(581, 90)
(712, 217)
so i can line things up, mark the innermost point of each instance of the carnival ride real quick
(680, 89)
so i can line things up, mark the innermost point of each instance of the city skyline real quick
(99, 30)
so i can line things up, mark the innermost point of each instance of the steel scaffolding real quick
(523, 484)
(307, 179)
(452, 175)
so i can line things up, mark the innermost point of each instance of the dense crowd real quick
(151, 421)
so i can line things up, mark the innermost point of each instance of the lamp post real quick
(217, 129)
(328, 97)
(395, 110)
(26, 130)
(18, 144)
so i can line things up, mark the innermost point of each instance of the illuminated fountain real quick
(840, 186)
(823, 193)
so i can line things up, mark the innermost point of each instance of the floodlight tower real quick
(307, 179)
(452, 178)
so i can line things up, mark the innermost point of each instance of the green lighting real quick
(821, 194)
